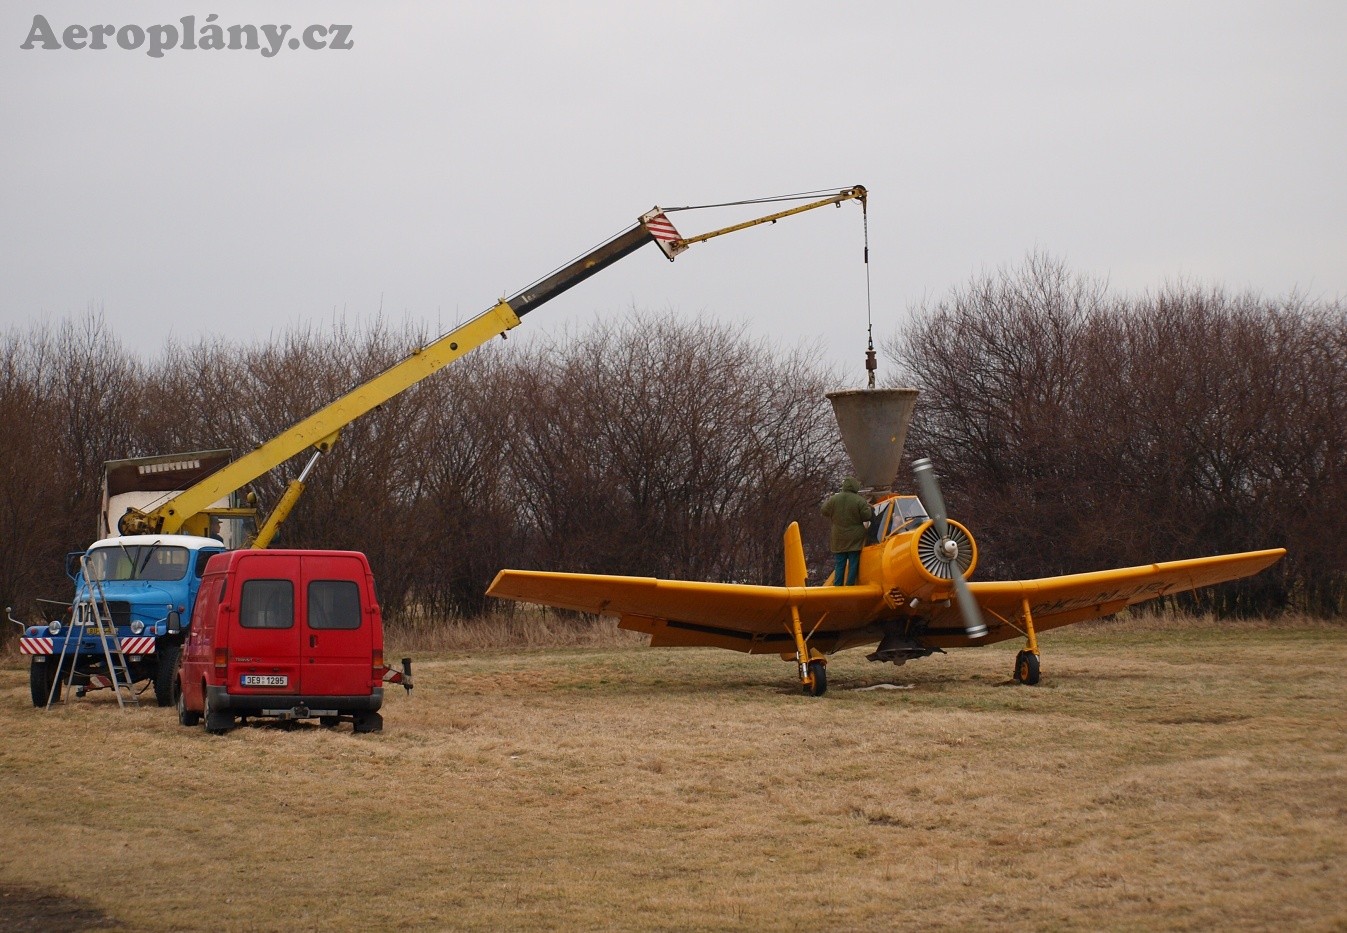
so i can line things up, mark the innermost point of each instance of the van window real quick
(334, 604)
(267, 604)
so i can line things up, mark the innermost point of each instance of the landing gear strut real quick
(813, 665)
(1026, 662)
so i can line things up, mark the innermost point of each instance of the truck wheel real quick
(166, 673)
(40, 677)
(217, 723)
(186, 717)
(369, 722)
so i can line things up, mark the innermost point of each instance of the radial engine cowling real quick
(921, 563)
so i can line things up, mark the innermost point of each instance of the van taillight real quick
(378, 662)
(221, 659)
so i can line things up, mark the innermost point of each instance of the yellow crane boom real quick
(189, 511)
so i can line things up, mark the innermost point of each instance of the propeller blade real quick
(924, 471)
(973, 626)
(796, 571)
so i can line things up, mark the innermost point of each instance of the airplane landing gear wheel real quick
(1026, 668)
(818, 670)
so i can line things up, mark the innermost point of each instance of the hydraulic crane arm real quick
(190, 510)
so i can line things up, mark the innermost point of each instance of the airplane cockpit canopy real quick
(894, 515)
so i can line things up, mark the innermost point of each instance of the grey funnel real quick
(873, 424)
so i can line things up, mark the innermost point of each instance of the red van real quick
(285, 635)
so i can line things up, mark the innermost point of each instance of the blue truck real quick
(147, 584)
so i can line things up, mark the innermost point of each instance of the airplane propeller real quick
(924, 471)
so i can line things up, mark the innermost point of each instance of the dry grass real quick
(1179, 776)
(525, 627)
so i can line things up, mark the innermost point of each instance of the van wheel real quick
(217, 723)
(369, 722)
(166, 673)
(186, 717)
(328, 721)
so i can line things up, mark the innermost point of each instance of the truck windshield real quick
(138, 562)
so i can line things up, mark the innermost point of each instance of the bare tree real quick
(1082, 430)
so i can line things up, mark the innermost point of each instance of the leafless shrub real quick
(658, 447)
(67, 403)
(1086, 430)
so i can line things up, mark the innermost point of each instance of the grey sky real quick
(461, 150)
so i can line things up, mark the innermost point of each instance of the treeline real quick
(1080, 430)
(1073, 430)
(647, 446)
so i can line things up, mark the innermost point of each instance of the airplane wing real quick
(756, 619)
(742, 617)
(1058, 601)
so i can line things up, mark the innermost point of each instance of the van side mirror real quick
(174, 622)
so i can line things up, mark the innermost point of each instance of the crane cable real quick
(870, 364)
(798, 196)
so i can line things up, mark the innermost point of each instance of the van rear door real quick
(337, 645)
(264, 647)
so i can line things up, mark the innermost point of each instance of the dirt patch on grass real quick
(32, 910)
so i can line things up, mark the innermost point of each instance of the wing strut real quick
(813, 665)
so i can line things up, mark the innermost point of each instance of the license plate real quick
(266, 680)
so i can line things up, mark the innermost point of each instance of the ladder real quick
(91, 614)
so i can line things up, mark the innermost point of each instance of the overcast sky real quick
(458, 151)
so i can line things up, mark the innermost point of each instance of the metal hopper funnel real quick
(873, 424)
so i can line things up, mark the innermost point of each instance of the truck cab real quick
(147, 585)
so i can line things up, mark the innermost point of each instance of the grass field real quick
(1165, 775)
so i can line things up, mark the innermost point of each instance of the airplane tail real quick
(796, 572)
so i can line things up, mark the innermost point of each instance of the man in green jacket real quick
(849, 512)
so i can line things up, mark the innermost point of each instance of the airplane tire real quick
(1026, 668)
(819, 671)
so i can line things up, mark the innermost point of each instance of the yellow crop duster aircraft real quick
(912, 597)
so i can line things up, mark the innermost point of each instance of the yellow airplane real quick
(912, 597)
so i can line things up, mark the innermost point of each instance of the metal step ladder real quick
(91, 614)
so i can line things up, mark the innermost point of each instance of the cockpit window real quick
(138, 562)
(901, 513)
(879, 525)
(912, 511)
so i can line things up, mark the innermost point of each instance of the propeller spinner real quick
(948, 547)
